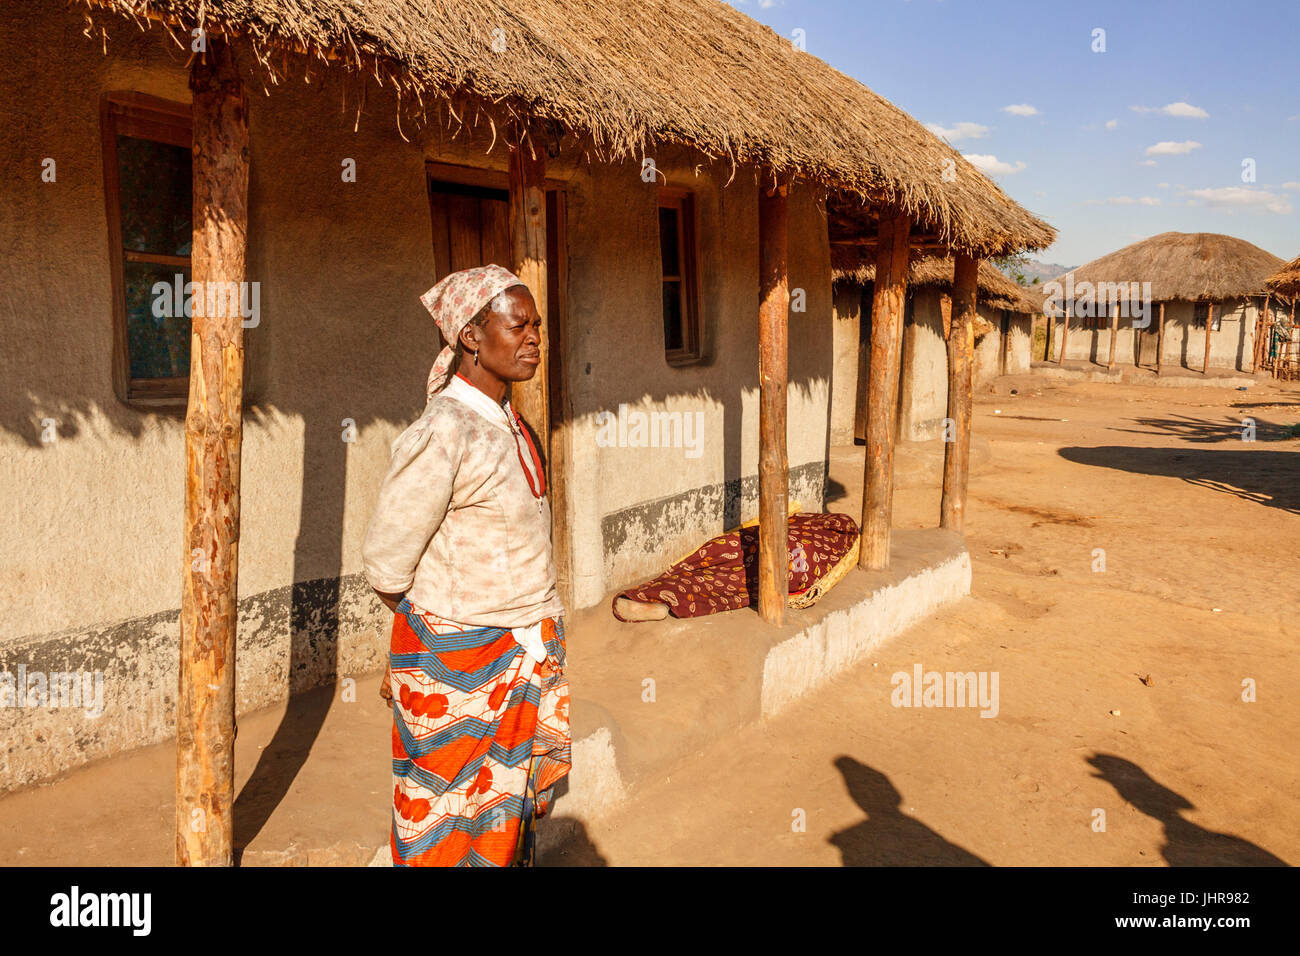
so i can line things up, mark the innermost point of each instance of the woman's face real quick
(509, 341)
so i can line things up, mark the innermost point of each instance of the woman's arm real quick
(412, 502)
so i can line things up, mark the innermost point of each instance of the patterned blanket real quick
(723, 574)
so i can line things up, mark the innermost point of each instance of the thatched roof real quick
(995, 289)
(1286, 281)
(628, 74)
(1191, 266)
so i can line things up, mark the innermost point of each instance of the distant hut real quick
(1003, 333)
(1204, 292)
(1278, 346)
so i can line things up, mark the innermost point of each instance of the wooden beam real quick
(886, 351)
(1261, 331)
(1209, 327)
(561, 398)
(1160, 339)
(1114, 333)
(205, 718)
(1066, 309)
(528, 245)
(1050, 334)
(961, 357)
(773, 465)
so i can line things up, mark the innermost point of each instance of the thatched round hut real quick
(1186, 299)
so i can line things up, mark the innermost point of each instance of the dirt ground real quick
(1120, 690)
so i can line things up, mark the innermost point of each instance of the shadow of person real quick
(888, 837)
(314, 612)
(572, 847)
(1186, 844)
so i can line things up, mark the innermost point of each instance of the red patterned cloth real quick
(723, 574)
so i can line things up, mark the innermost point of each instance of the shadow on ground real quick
(1264, 477)
(1186, 844)
(889, 837)
(1207, 431)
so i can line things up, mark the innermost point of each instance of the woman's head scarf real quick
(453, 302)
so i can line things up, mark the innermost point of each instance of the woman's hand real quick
(386, 685)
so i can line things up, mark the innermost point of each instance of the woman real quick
(459, 549)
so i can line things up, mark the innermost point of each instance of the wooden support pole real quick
(1160, 339)
(205, 717)
(1050, 320)
(1066, 309)
(1114, 333)
(961, 358)
(528, 247)
(773, 465)
(1261, 333)
(882, 402)
(1209, 327)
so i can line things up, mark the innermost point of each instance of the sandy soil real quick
(1191, 519)
(1119, 690)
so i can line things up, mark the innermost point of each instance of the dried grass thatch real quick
(1286, 281)
(1189, 266)
(632, 73)
(995, 289)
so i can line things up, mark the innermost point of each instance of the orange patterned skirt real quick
(480, 738)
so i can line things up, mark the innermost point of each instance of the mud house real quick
(1189, 300)
(665, 175)
(1003, 336)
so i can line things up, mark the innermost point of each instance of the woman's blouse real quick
(456, 527)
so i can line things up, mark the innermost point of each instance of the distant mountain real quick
(1042, 271)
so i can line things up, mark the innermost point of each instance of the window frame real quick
(165, 121)
(1198, 321)
(683, 201)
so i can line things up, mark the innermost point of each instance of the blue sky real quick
(1146, 137)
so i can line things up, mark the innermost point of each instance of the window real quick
(681, 308)
(147, 188)
(1201, 312)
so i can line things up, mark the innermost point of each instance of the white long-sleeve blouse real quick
(457, 526)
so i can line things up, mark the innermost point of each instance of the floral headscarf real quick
(453, 302)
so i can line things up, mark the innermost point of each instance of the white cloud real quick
(959, 132)
(1186, 110)
(1292, 186)
(992, 166)
(1020, 109)
(1162, 185)
(1170, 148)
(1111, 124)
(1148, 162)
(1239, 197)
(1180, 109)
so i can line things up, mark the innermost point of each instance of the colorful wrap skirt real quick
(480, 739)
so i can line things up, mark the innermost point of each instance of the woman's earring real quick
(476, 358)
